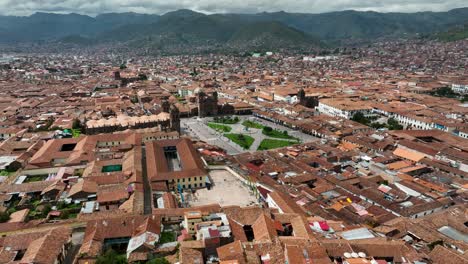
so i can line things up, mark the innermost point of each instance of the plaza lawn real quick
(273, 143)
(226, 120)
(277, 134)
(251, 124)
(240, 139)
(220, 128)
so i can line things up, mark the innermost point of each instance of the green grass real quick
(35, 178)
(220, 128)
(278, 134)
(226, 120)
(240, 139)
(167, 237)
(6, 173)
(251, 124)
(76, 133)
(273, 143)
(63, 205)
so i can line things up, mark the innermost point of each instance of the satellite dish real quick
(347, 255)
(362, 254)
(354, 255)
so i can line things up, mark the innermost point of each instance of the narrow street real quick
(77, 241)
(147, 196)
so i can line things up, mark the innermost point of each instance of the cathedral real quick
(307, 101)
(207, 104)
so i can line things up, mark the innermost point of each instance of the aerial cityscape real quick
(234, 132)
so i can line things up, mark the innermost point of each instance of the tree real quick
(123, 66)
(4, 217)
(111, 257)
(64, 214)
(76, 124)
(46, 210)
(377, 125)
(143, 77)
(393, 124)
(158, 261)
(360, 118)
(267, 129)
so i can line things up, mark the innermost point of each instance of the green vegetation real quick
(449, 93)
(361, 118)
(76, 133)
(76, 39)
(111, 257)
(240, 139)
(392, 124)
(4, 217)
(271, 35)
(274, 143)
(194, 30)
(251, 124)
(35, 178)
(268, 131)
(6, 173)
(226, 120)
(377, 125)
(454, 34)
(77, 124)
(167, 237)
(220, 128)
(160, 260)
(77, 127)
(445, 92)
(68, 211)
(39, 211)
(68, 214)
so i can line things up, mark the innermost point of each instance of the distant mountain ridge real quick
(186, 27)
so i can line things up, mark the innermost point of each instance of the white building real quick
(343, 108)
(461, 88)
(416, 122)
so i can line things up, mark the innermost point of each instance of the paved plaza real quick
(226, 190)
(197, 127)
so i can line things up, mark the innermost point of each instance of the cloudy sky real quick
(93, 7)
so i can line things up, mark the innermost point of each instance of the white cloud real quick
(93, 7)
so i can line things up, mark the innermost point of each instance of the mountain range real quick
(189, 28)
